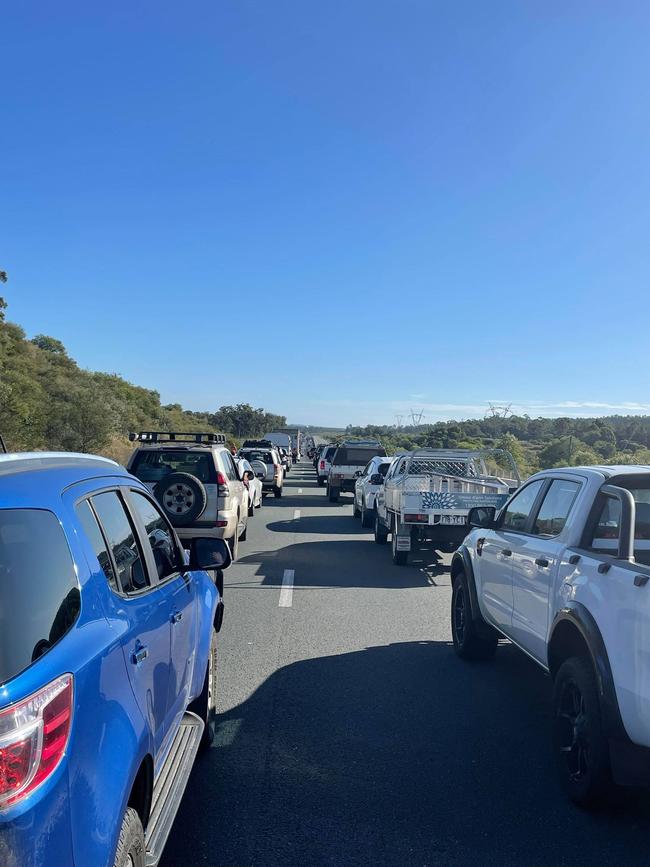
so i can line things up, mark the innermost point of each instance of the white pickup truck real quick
(427, 495)
(563, 571)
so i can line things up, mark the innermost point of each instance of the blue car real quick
(107, 663)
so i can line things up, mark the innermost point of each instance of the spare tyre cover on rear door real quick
(183, 498)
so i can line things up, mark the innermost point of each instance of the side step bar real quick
(170, 785)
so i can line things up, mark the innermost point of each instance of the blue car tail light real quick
(34, 735)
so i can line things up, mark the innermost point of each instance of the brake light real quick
(33, 738)
(322, 465)
(222, 483)
(416, 519)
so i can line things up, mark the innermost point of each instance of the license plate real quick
(453, 519)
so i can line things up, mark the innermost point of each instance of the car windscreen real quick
(329, 453)
(153, 466)
(351, 456)
(265, 457)
(39, 592)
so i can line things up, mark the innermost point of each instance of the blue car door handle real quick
(177, 616)
(139, 654)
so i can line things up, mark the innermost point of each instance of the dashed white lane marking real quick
(296, 514)
(286, 594)
(300, 490)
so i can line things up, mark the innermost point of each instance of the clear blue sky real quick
(411, 203)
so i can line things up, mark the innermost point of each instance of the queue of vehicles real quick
(558, 565)
(108, 630)
(109, 682)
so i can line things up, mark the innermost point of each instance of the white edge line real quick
(286, 594)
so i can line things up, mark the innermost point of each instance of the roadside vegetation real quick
(48, 402)
(535, 443)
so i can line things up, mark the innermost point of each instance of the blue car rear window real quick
(39, 592)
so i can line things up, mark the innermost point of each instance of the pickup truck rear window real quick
(153, 466)
(609, 520)
(39, 592)
(355, 457)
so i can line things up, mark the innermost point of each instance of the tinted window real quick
(383, 469)
(555, 508)
(121, 538)
(152, 466)
(519, 508)
(161, 538)
(39, 594)
(609, 520)
(90, 526)
(265, 457)
(355, 457)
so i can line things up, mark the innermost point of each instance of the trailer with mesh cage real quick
(427, 495)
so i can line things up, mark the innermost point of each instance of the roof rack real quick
(170, 436)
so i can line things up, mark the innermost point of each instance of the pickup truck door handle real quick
(177, 616)
(139, 654)
(541, 561)
(506, 552)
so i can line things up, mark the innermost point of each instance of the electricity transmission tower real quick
(416, 417)
(398, 420)
(499, 411)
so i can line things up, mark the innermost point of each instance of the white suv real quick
(365, 490)
(196, 481)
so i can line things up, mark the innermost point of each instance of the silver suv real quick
(196, 481)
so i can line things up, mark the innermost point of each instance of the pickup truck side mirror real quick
(482, 516)
(358, 474)
(376, 479)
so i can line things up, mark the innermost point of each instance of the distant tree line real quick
(536, 443)
(48, 402)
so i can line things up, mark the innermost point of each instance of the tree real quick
(49, 344)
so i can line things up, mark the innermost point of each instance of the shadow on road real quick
(356, 562)
(342, 525)
(395, 755)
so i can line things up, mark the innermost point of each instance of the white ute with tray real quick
(427, 495)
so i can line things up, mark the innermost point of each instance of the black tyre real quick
(472, 639)
(251, 509)
(321, 481)
(277, 491)
(182, 497)
(400, 558)
(205, 705)
(366, 516)
(333, 494)
(580, 747)
(381, 533)
(244, 533)
(356, 511)
(130, 845)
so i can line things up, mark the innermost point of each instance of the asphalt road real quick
(350, 734)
